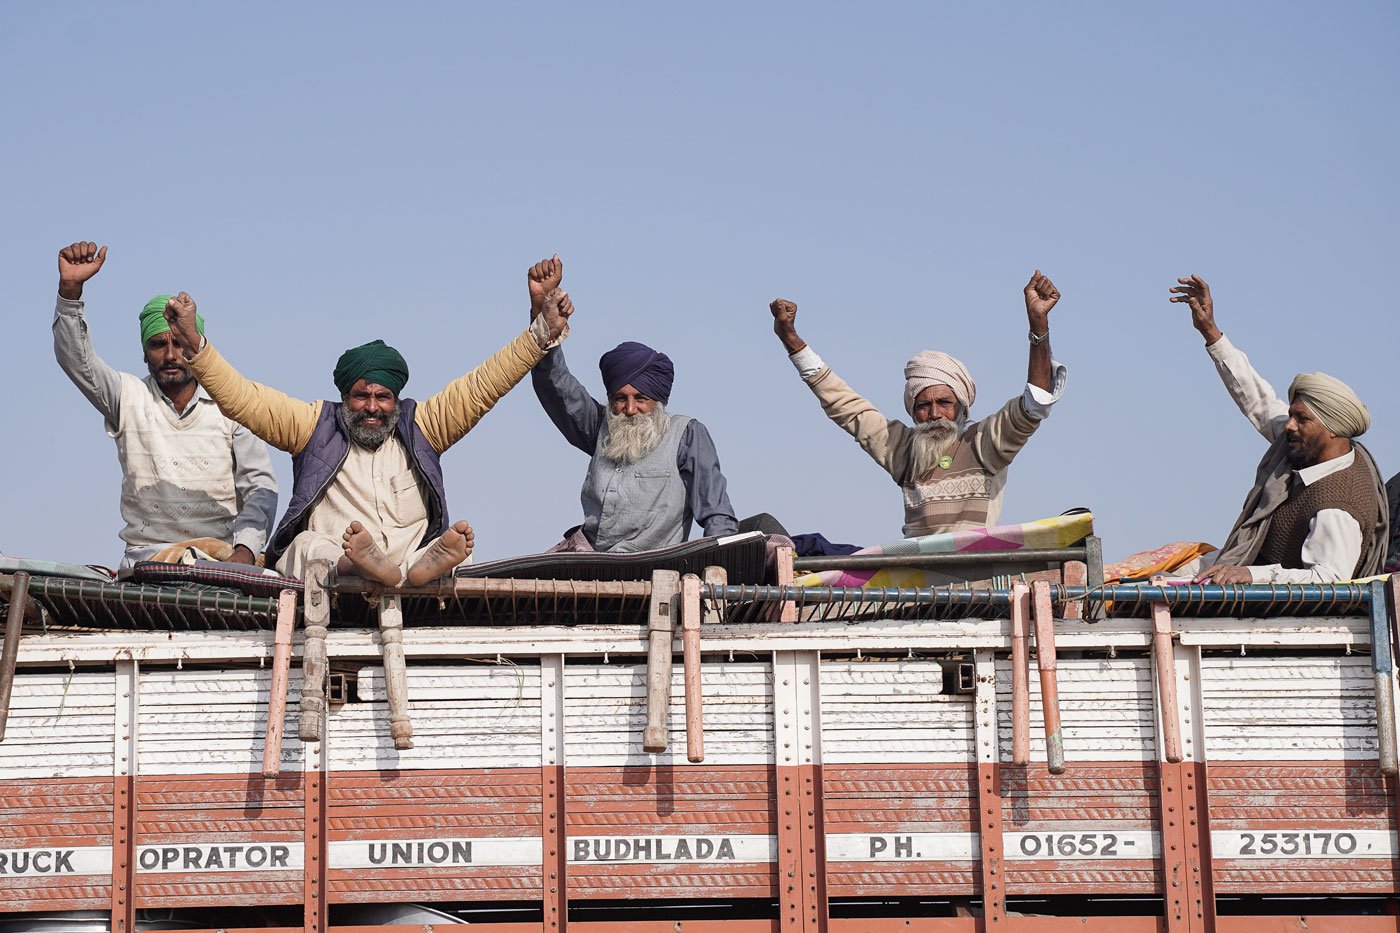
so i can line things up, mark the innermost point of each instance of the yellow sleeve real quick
(446, 417)
(280, 420)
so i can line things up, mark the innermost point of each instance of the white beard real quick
(933, 440)
(632, 438)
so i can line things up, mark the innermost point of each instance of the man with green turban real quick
(191, 478)
(367, 488)
(1317, 512)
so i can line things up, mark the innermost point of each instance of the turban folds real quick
(932, 368)
(648, 371)
(153, 319)
(375, 362)
(1333, 402)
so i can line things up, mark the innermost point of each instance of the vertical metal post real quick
(313, 652)
(277, 690)
(1093, 560)
(989, 800)
(1382, 667)
(1049, 685)
(665, 586)
(127, 697)
(690, 648)
(1020, 674)
(9, 656)
(554, 868)
(315, 786)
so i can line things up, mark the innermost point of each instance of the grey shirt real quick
(254, 481)
(580, 418)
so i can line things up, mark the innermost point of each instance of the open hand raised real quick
(543, 278)
(76, 264)
(180, 315)
(1041, 296)
(1196, 293)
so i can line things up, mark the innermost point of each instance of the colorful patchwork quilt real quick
(1061, 531)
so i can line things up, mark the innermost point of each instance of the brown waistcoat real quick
(1352, 490)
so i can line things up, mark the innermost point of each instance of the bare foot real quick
(443, 554)
(366, 559)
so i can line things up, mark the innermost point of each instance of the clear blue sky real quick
(318, 175)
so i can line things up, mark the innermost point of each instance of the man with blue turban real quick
(367, 489)
(651, 472)
(192, 480)
(1317, 512)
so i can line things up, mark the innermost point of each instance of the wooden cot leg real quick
(395, 670)
(714, 576)
(9, 657)
(1166, 681)
(1049, 686)
(1075, 573)
(788, 609)
(1020, 674)
(277, 694)
(313, 652)
(665, 586)
(690, 645)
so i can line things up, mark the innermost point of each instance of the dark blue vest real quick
(320, 460)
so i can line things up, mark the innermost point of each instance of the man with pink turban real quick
(1317, 512)
(952, 470)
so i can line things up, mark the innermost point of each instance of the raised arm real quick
(450, 414)
(1041, 296)
(72, 344)
(886, 441)
(1253, 395)
(284, 422)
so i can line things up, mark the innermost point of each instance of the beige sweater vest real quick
(177, 473)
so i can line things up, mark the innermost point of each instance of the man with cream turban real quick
(952, 471)
(191, 478)
(651, 472)
(1317, 511)
(367, 484)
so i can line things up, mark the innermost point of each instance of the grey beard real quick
(932, 440)
(632, 438)
(371, 438)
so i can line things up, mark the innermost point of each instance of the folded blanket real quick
(1061, 531)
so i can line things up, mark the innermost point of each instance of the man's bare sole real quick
(443, 554)
(364, 558)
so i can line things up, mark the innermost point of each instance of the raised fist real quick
(180, 315)
(1041, 296)
(543, 278)
(785, 323)
(556, 309)
(76, 264)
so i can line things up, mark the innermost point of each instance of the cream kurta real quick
(377, 488)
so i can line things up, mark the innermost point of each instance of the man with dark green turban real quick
(191, 478)
(367, 482)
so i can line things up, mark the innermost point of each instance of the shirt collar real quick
(199, 396)
(1317, 471)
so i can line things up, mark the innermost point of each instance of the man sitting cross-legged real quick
(367, 481)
